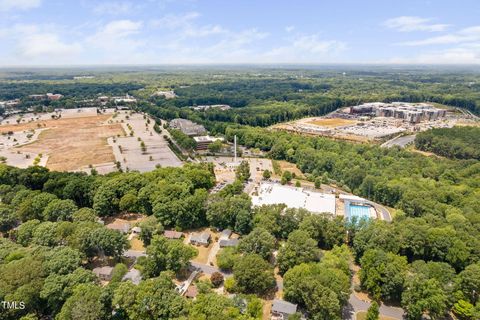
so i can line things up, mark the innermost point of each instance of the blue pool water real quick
(358, 211)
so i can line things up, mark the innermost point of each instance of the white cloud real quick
(184, 25)
(113, 8)
(41, 44)
(471, 34)
(116, 42)
(289, 28)
(412, 23)
(306, 49)
(7, 5)
(313, 44)
(46, 46)
(459, 55)
(115, 31)
(174, 21)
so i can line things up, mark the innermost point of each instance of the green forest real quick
(427, 260)
(456, 143)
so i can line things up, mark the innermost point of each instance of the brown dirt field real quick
(332, 123)
(71, 143)
(287, 166)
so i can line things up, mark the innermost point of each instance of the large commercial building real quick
(188, 127)
(413, 113)
(204, 141)
(292, 197)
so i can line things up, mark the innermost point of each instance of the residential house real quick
(281, 309)
(228, 243)
(104, 273)
(200, 239)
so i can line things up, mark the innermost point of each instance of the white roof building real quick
(316, 202)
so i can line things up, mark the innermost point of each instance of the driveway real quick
(207, 269)
(355, 305)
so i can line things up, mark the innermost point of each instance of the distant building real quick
(83, 77)
(54, 97)
(166, 94)
(37, 96)
(409, 112)
(188, 127)
(170, 234)
(204, 141)
(221, 107)
(104, 273)
(103, 100)
(281, 309)
(200, 239)
(127, 99)
(10, 103)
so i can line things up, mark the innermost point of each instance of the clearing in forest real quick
(71, 143)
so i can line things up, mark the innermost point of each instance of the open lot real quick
(127, 149)
(331, 122)
(69, 143)
(78, 139)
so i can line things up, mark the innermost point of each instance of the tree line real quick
(456, 142)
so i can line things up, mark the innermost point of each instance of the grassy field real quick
(331, 123)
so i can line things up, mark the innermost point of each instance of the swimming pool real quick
(358, 211)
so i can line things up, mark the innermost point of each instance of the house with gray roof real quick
(228, 243)
(200, 239)
(170, 234)
(281, 309)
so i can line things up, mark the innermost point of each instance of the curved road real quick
(355, 305)
(400, 141)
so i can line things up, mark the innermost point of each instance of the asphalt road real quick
(355, 305)
(399, 141)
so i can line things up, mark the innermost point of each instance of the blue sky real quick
(86, 32)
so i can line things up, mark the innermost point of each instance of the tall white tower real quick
(235, 148)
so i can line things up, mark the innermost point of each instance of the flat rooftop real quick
(316, 202)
